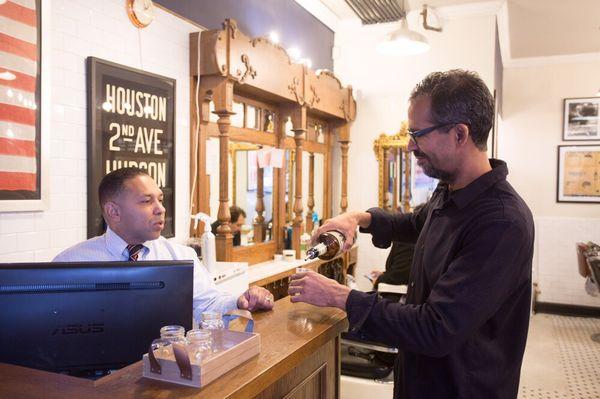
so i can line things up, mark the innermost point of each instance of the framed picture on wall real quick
(131, 123)
(578, 173)
(581, 119)
(24, 111)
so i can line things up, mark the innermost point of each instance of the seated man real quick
(238, 218)
(397, 265)
(132, 207)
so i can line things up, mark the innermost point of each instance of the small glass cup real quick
(168, 336)
(173, 334)
(211, 321)
(199, 344)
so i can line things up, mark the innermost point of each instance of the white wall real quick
(530, 132)
(78, 29)
(382, 85)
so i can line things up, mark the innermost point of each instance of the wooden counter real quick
(299, 358)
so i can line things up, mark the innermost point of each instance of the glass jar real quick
(168, 335)
(173, 334)
(199, 344)
(211, 321)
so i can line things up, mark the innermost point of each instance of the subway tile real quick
(32, 240)
(18, 257)
(64, 238)
(8, 243)
(17, 222)
(49, 221)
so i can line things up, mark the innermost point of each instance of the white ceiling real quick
(553, 27)
(535, 28)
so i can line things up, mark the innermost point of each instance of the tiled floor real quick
(561, 360)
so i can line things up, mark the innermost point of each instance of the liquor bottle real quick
(330, 244)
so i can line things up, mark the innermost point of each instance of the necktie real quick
(134, 251)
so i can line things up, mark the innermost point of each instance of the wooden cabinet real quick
(248, 91)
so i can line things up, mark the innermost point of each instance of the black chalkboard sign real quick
(131, 123)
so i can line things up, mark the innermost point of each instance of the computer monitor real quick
(89, 316)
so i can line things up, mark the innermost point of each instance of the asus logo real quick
(91, 328)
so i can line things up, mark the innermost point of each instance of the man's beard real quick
(431, 170)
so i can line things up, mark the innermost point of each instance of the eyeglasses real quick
(423, 132)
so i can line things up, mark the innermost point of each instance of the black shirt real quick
(464, 326)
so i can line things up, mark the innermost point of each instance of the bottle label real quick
(340, 237)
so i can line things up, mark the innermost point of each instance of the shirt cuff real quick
(369, 229)
(231, 304)
(358, 308)
(380, 228)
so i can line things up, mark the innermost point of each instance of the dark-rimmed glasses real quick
(423, 132)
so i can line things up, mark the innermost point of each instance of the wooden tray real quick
(237, 347)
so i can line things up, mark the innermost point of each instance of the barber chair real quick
(367, 367)
(588, 265)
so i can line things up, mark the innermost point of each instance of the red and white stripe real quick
(18, 108)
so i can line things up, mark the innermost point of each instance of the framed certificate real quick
(578, 173)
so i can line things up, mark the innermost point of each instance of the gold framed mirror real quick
(394, 161)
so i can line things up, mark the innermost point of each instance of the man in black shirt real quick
(464, 325)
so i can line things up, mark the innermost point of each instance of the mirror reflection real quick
(289, 185)
(312, 188)
(394, 184)
(250, 193)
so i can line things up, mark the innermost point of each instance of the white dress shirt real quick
(111, 247)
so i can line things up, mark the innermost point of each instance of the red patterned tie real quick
(134, 251)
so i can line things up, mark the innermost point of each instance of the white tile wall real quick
(78, 29)
(556, 267)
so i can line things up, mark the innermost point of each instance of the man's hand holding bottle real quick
(335, 235)
(346, 223)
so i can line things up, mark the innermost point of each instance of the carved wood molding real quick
(380, 145)
(232, 25)
(259, 40)
(327, 72)
(315, 97)
(398, 140)
(345, 110)
(250, 71)
(229, 52)
(294, 88)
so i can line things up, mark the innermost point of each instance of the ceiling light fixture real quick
(405, 41)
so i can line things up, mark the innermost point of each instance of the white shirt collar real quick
(115, 244)
(118, 246)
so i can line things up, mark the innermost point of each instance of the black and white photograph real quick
(581, 121)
